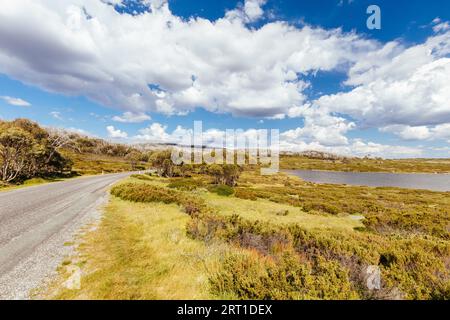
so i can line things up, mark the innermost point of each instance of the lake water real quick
(434, 182)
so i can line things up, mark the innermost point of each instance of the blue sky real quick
(319, 107)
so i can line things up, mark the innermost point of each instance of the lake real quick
(434, 182)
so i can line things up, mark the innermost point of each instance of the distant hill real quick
(320, 155)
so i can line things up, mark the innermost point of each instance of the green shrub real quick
(320, 206)
(144, 177)
(141, 192)
(222, 190)
(245, 193)
(386, 211)
(284, 277)
(414, 268)
(186, 184)
(389, 221)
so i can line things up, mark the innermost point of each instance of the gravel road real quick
(36, 222)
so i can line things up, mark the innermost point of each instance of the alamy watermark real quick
(374, 20)
(373, 277)
(233, 146)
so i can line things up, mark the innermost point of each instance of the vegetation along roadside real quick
(190, 235)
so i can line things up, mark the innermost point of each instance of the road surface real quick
(36, 223)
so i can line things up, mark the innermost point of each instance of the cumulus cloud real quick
(398, 86)
(439, 132)
(156, 132)
(15, 101)
(251, 11)
(359, 147)
(158, 62)
(297, 140)
(116, 133)
(80, 132)
(320, 127)
(129, 117)
(439, 25)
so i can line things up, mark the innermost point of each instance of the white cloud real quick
(361, 148)
(113, 133)
(398, 86)
(129, 117)
(358, 148)
(408, 132)
(251, 11)
(320, 127)
(158, 62)
(442, 27)
(439, 132)
(15, 101)
(295, 140)
(80, 131)
(439, 25)
(82, 47)
(57, 115)
(156, 132)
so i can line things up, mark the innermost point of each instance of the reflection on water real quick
(435, 182)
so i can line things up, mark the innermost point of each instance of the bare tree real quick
(15, 146)
(57, 138)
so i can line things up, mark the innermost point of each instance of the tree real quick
(231, 174)
(15, 146)
(162, 162)
(57, 138)
(186, 169)
(133, 158)
(168, 168)
(27, 150)
(224, 174)
(216, 171)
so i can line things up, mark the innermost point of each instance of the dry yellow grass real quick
(140, 251)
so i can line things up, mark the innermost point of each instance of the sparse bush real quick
(144, 177)
(162, 162)
(227, 174)
(280, 278)
(292, 262)
(414, 268)
(142, 192)
(282, 213)
(222, 190)
(320, 206)
(386, 210)
(185, 184)
(245, 193)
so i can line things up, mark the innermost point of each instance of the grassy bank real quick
(33, 182)
(89, 164)
(141, 251)
(84, 164)
(366, 165)
(271, 237)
